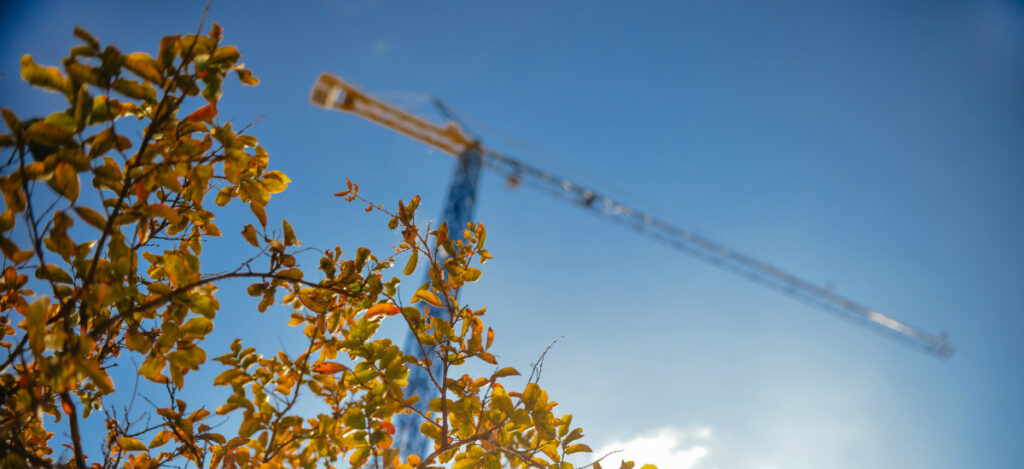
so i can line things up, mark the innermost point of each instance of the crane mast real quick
(331, 92)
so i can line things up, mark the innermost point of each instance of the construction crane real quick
(331, 92)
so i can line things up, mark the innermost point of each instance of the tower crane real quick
(333, 93)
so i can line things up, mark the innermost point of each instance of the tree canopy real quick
(116, 278)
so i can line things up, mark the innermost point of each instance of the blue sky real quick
(873, 145)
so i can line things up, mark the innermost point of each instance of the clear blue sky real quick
(874, 145)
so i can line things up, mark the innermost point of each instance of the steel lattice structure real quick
(331, 92)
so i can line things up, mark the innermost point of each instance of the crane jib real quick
(331, 92)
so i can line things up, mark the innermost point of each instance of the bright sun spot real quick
(665, 448)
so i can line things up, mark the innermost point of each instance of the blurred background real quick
(872, 146)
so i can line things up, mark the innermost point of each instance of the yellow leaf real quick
(427, 297)
(43, 77)
(328, 368)
(198, 325)
(507, 371)
(98, 375)
(7, 220)
(203, 114)
(65, 181)
(275, 181)
(250, 235)
(179, 268)
(161, 439)
(224, 196)
(382, 309)
(165, 212)
(289, 234)
(359, 456)
(226, 54)
(141, 64)
(49, 135)
(260, 212)
(487, 357)
(137, 341)
(579, 448)
(92, 217)
(130, 444)
(410, 266)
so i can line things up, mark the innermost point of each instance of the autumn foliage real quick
(120, 281)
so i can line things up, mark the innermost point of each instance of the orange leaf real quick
(382, 309)
(205, 113)
(388, 427)
(66, 406)
(328, 368)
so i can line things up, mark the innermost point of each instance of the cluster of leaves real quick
(132, 286)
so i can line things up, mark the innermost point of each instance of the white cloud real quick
(667, 448)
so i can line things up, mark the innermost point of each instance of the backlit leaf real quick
(203, 114)
(289, 234)
(507, 371)
(410, 265)
(427, 297)
(250, 235)
(130, 444)
(92, 217)
(578, 448)
(198, 325)
(141, 64)
(382, 309)
(260, 212)
(328, 368)
(275, 181)
(65, 181)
